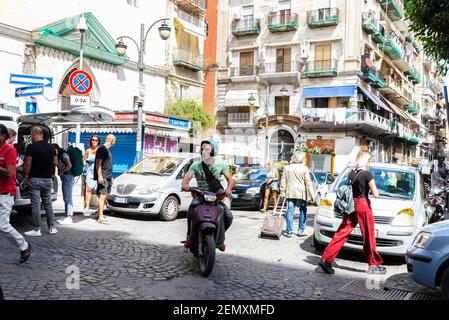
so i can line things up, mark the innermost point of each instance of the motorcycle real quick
(205, 229)
(438, 205)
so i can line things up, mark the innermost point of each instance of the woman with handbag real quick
(362, 183)
(271, 186)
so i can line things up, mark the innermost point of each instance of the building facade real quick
(336, 76)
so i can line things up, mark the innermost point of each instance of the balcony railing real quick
(393, 8)
(244, 71)
(392, 83)
(369, 23)
(278, 67)
(374, 77)
(321, 68)
(196, 21)
(368, 117)
(379, 35)
(240, 118)
(392, 48)
(413, 109)
(413, 76)
(187, 59)
(283, 22)
(427, 84)
(323, 17)
(245, 27)
(192, 5)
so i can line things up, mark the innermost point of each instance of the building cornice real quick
(282, 44)
(14, 32)
(325, 40)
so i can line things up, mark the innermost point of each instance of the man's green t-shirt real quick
(218, 168)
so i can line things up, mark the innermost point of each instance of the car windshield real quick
(320, 176)
(391, 183)
(157, 165)
(250, 174)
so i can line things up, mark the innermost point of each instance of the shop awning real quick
(375, 99)
(326, 92)
(239, 98)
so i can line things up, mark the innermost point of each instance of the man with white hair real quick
(297, 188)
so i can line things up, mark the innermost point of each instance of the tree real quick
(430, 24)
(192, 110)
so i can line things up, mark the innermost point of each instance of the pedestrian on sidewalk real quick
(38, 172)
(296, 187)
(89, 160)
(103, 175)
(8, 160)
(67, 181)
(362, 183)
(271, 186)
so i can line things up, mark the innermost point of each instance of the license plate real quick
(120, 200)
(358, 232)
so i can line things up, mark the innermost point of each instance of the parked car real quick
(399, 213)
(22, 202)
(428, 257)
(153, 186)
(246, 191)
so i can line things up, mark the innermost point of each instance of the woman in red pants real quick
(363, 183)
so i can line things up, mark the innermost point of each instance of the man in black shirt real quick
(38, 171)
(103, 174)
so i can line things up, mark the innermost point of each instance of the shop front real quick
(320, 155)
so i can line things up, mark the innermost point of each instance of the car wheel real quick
(317, 200)
(169, 210)
(318, 246)
(444, 285)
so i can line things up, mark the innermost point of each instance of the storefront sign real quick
(178, 123)
(167, 120)
(155, 118)
(125, 116)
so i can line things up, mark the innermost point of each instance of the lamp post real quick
(120, 47)
(252, 101)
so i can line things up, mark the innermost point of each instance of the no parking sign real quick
(80, 82)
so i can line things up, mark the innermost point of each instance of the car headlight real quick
(404, 218)
(326, 209)
(252, 190)
(149, 189)
(422, 239)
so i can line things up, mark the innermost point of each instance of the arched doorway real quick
(282, 144)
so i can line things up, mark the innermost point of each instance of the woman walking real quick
(362, 183)
(271, 185)
(89, 160)
(67, 181)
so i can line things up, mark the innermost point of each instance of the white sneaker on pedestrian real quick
(66, 220)
(53, 230)
(33, 233)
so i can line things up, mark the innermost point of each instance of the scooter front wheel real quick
(206, 258)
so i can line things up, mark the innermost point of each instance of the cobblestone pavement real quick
(142, 258)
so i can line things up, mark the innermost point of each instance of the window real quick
(246, 63)
(134, 3)
(184, 171)
(323, 54)
(283, 60)
(284, 11)
(321, 102)
(248, 12)
(282, 105)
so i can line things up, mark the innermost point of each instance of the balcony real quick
(278, 72)
(429, 89)
(240, 120)
(194, 6)
(283, 22)
(394, 91)
(244, 71)
(374, 77)
(405, 62)
(193, 20)
(413, 76)
(391, 48)
(411, 39)
(379, 36)
(323, 18)
(245, 27)
(321, 68)
(369, 23)
(187, 59)
(428, 112)
(393, 8)
(413, 109)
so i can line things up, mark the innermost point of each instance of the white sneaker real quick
(66, 220)
(53, 230)
(33, 233)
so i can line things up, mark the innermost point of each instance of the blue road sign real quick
(29, 91)
(31, 80)
(30, 107)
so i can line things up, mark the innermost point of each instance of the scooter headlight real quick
(210, 198)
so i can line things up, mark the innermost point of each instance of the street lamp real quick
(120, 47)
(252, 101)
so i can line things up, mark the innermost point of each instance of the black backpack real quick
(344, 204)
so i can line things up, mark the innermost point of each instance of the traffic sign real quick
(30, 80)
(80, 82)
(30, 107)
(79, 100)
(29, 91)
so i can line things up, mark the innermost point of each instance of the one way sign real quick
(29, 91)
(31, 80)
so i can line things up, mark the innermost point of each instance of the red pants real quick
(363, 215)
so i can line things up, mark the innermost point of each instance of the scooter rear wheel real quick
(207, 258)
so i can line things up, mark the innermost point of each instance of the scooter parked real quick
(437, 202)
(205, 231)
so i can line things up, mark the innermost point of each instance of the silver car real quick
(153, 186)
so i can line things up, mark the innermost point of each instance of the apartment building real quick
(335, 75)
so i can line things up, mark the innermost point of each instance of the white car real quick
(153, 186)
(399, 213)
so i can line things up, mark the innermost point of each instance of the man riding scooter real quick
(208, 172)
